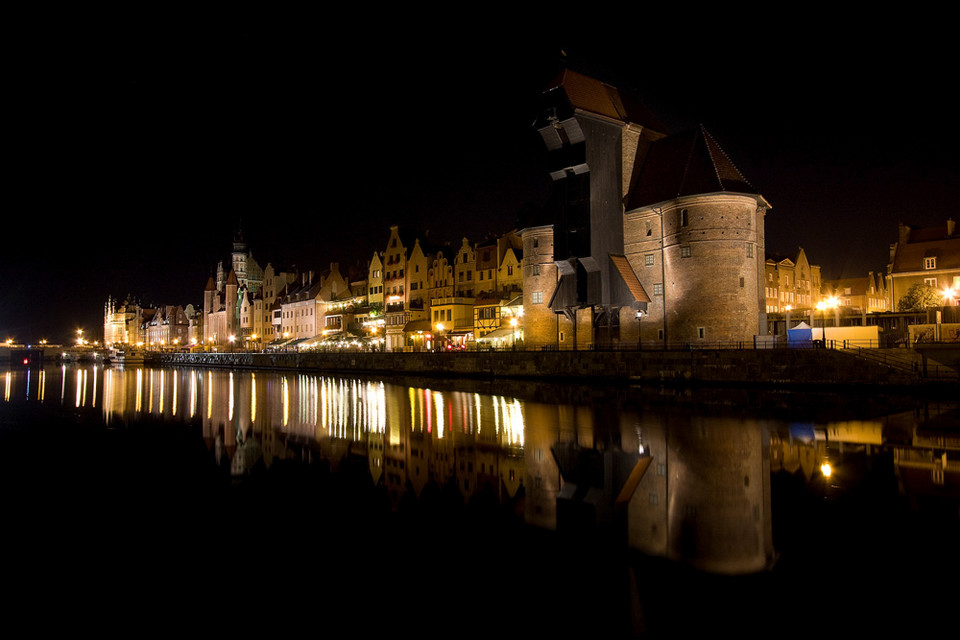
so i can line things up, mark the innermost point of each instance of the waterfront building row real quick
(648, 237)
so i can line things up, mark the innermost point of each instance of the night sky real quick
(138, 151)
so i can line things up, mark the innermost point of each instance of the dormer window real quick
(929, 263)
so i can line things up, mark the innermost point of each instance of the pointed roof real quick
(684, 164)
(599, 98)
(931, 242)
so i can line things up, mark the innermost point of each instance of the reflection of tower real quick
(718, 492)
(542, 477)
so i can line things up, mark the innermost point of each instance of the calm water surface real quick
(240, 500)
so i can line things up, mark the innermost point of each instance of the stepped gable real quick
(685, 164)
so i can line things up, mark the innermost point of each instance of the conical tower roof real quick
(684, 164)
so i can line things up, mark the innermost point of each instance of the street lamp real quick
(949, 296)
(639, 332)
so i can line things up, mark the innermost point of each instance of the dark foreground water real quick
(146, 501)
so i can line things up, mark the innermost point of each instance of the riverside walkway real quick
(721, 366)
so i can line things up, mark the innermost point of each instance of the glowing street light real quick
(949, 296)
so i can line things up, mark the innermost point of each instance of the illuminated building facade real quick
(220, 312)
(121, 322)
(465, 267)
(859, 295)
(168, 327)
(925, 256)
(791, 284)
(645, 233)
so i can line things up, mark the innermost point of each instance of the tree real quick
(919, 297)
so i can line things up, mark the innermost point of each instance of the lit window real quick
(648, 260)
(658, 289)
(536, 297)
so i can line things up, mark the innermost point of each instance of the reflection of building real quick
(705, 499)
(924, 256)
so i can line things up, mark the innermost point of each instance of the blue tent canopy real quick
(800, 336)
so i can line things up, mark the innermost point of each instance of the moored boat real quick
(126, 356)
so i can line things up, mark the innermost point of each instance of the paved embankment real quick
(807, 367)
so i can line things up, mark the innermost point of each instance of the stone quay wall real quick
(774, 367)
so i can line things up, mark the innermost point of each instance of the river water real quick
(142, 498)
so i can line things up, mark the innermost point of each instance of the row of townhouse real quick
(445, 295)
(413, 294)
(921, 256)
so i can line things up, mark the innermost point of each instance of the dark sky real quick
(138, 151)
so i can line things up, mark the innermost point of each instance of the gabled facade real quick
(168, 328)
(859, 295)
(925, 256)
(301, 309)
(395, 286)
(487, 267)
(791, 284)
(336, 303)
(267, 324)
(375, 282)
(440, 278)
(220, 312)
(418, 277)
(465, 266)
(399, 244)
(509, 273)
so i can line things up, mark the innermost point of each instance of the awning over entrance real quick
(417, 325)
(498, 334)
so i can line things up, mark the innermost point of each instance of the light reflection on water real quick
(690, 484)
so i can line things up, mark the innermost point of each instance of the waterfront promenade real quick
(760, 367)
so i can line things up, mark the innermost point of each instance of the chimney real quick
(951, 227)
(904, 234)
